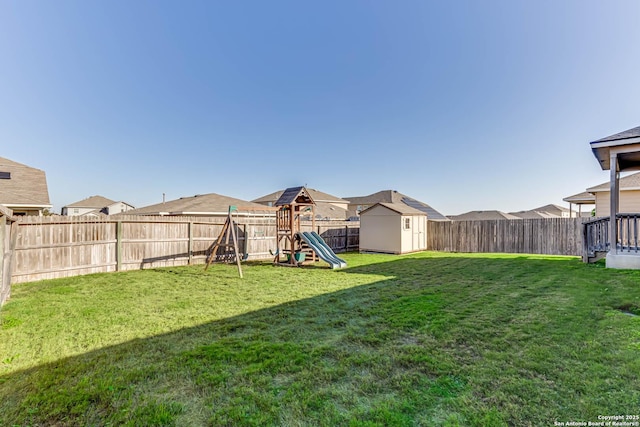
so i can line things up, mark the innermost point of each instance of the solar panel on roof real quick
(431, 213)
(288, 196)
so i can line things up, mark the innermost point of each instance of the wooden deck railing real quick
(627, 232)
(597, 241)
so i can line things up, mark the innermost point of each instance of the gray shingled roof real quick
(627, 182)
(384, 196)
(200, 204)
(626, 161)
(631, 133)
(482, 215)
(392, 196)
(533, 214)
(327, 210)
(96, 202)
(552, 209)
(27, 185)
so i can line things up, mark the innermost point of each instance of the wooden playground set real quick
(294, 247)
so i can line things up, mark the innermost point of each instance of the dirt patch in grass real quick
(629, 308)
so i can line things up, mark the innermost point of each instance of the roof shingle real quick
(26, 185)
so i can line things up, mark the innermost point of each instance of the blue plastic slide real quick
(322, 249)
(328, 248)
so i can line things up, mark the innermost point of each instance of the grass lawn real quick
(425, 339)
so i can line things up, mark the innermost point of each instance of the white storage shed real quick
(393, 228)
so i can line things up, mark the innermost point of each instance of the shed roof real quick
(25, 185)
(626, 161)
(94, 202)
(400, 208)
(200, 204)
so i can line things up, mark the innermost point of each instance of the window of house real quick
(5, 175)
(407, 223)
(76, 210)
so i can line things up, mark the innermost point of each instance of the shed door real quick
(419, 236)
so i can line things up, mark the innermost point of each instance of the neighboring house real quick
(393, 228)
(96, 206)
(361, 203)
(532, 215)
(557, 211)
(482, 216)
(201, 205)
(629, 195)
(327, 206)
(546, 211)
(23, 189)
(581, 199)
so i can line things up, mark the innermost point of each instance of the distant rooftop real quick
(482, 215)
(200, 204)
(393, 196)
(95, 202)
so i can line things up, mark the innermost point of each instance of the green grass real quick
(426, 339)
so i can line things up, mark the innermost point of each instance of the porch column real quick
(614, 204)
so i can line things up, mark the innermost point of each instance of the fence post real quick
(190, 244)
(118, 245)
(246, 241)
(346, 238)
(4, 240)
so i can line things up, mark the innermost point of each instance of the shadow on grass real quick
(432, 344)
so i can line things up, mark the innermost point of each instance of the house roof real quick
(629, 182)
(552, 209)
(200, 204)
(327, 210)
(26, 186)
(626, 161)
(584, 198)
(318, 196)
(533, 214)
(95, 202)
(400, 208)
(482, 215)
(392, 196)
(384, 196)
(630, 133)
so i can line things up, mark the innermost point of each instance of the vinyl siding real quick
(629, 202)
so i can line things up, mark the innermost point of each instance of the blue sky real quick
(465, 105)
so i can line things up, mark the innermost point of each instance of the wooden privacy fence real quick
(53, 247)
(549, 236)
